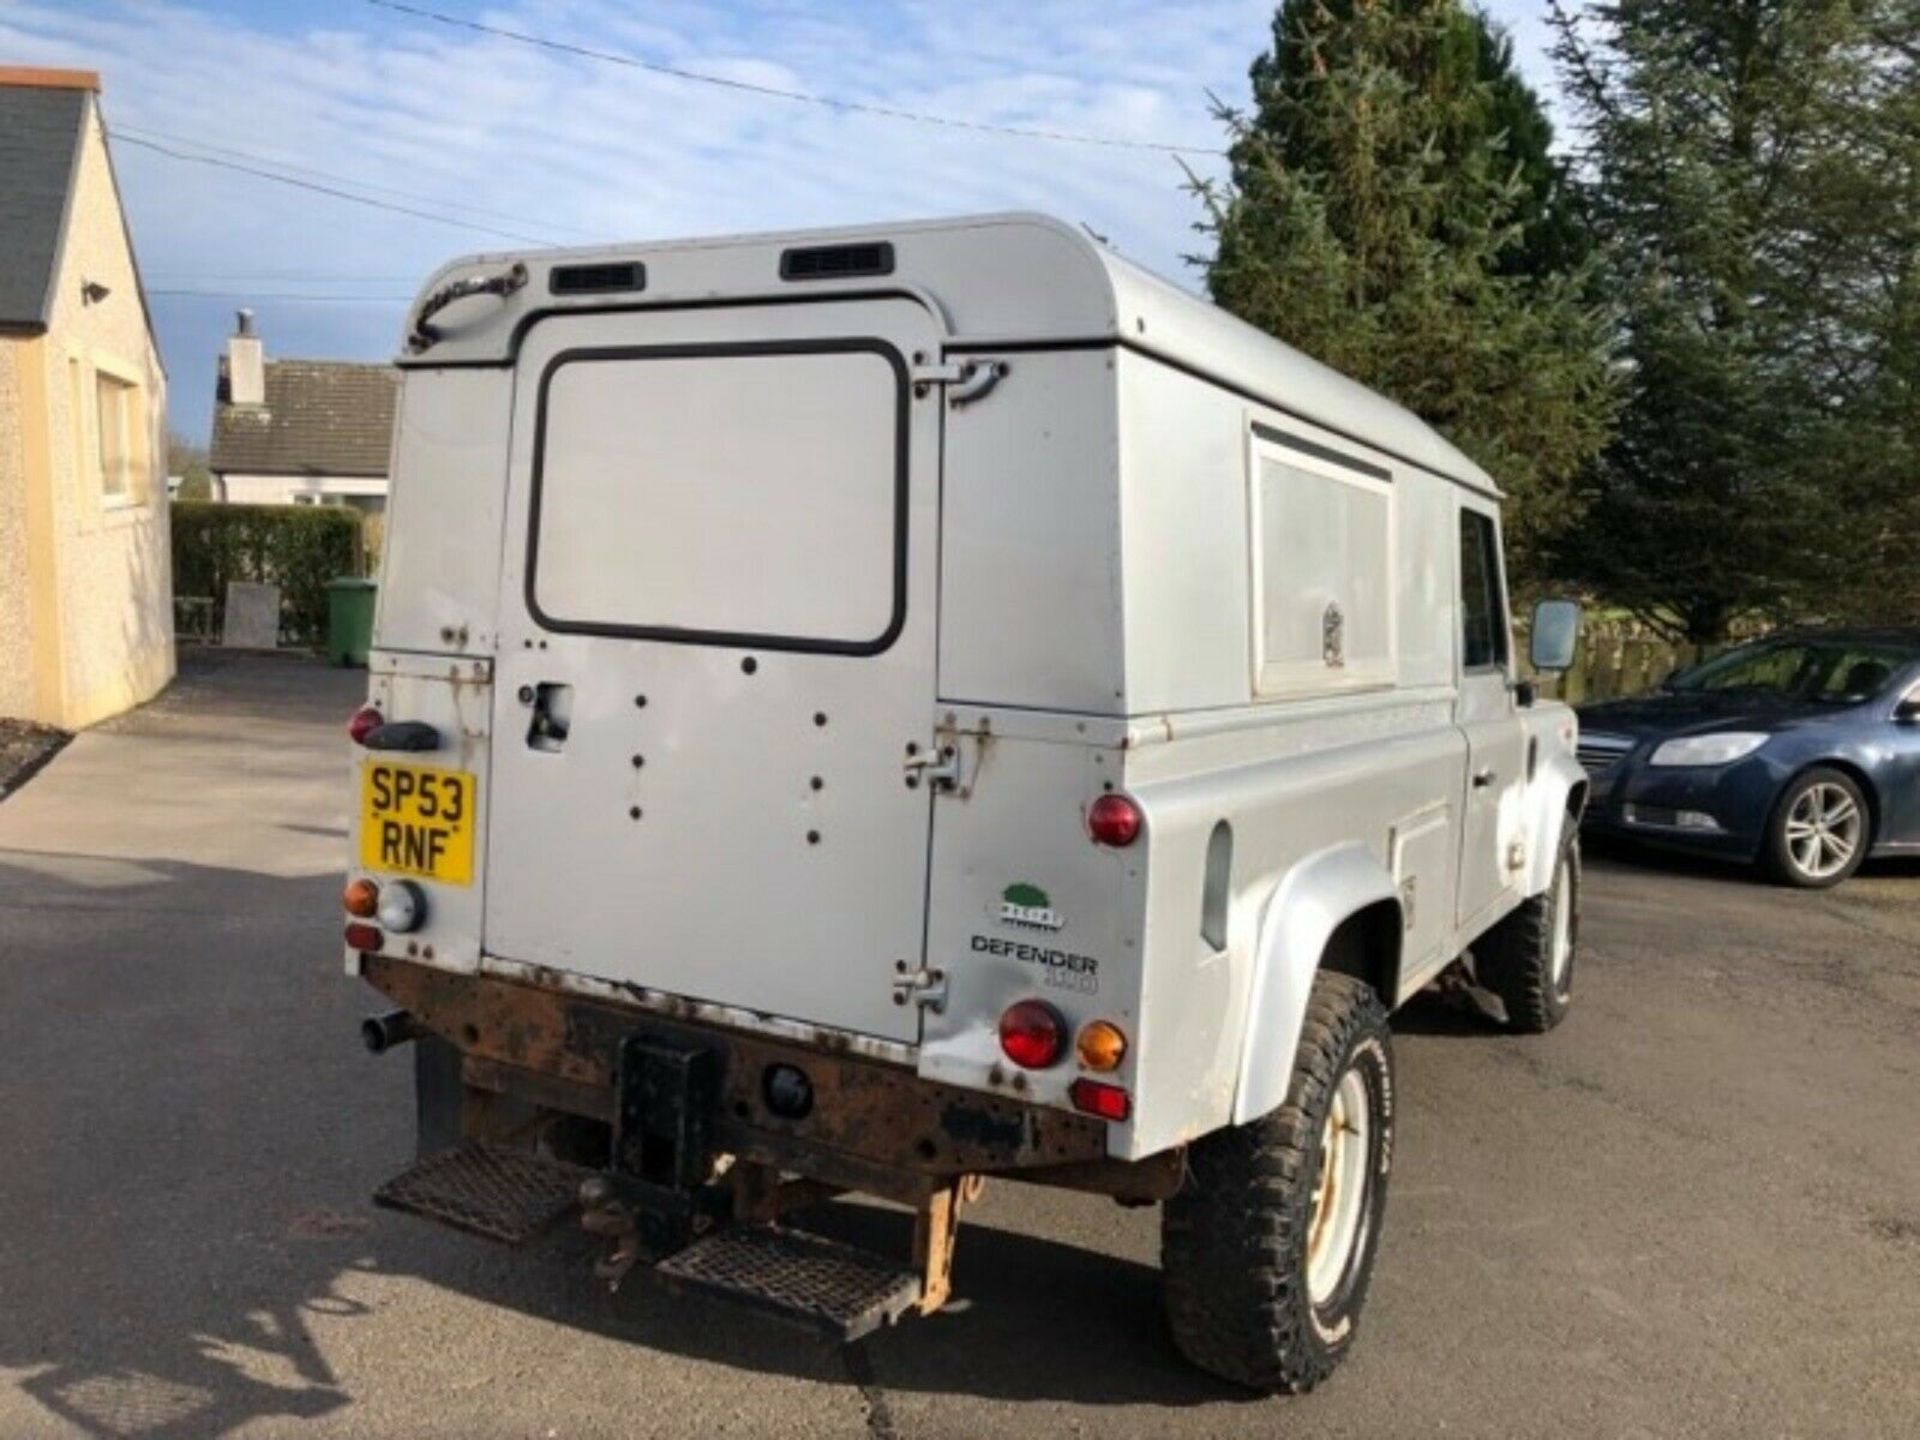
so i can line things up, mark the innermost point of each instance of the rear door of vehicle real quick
(717, 650)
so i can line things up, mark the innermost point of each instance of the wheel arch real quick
(1558, 800)
(1339, 908)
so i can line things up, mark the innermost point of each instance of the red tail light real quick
(364, 722)
(365, 938)
(1109, 1102)
(1115, 820)
(1033, 1034)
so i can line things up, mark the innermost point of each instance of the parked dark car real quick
(1800, 752)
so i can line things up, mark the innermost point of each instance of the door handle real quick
(1483, 778)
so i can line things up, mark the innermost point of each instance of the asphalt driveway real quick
(1695, 1210)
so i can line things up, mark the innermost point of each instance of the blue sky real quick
(495, 136)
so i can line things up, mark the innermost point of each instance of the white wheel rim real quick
(1562, 929)
(1823, 830)
(1340, 1193)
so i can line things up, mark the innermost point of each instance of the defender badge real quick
(1029, 906)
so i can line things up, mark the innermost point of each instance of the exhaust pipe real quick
(381, 1033)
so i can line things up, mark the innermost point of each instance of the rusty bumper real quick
(874, 1126)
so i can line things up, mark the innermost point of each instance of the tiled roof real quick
(40, 128)
(321, 417)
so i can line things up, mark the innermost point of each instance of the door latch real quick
(924, 986)
(951, 765)
(938, 767)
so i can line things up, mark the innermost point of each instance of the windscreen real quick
(724, 494)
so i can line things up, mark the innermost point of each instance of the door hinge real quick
(925, 986)
(968, 380)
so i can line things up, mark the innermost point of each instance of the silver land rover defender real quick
(876, 710)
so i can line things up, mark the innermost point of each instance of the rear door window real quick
(723, 495)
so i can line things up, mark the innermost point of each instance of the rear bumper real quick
(873, 1125)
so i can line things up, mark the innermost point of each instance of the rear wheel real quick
(1527, 959)
(1819, 831)
(1269, 1246)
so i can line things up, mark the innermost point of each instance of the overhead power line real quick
(292, 168)
(271, 277)
(287, 296)
(634, 62)
(336, 193)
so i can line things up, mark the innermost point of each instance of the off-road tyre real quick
(1516, 959)
(1777, 857)
(1234, 1241)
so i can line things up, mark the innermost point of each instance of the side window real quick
(1323, 569)
(1483, 619)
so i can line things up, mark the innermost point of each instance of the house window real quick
(117, 409)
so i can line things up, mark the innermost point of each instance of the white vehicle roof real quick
(1007, 281)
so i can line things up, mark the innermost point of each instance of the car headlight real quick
(1709, 749)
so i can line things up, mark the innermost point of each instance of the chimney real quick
(246, 367)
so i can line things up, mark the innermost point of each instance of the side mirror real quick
(1907, 712)
(1556, 635)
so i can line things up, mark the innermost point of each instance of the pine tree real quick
(1752, 172)
(1391, 211)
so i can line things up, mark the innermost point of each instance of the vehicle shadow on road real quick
(1436, 1012)
(1611, 854)
(193, 1135)
(1017, 1299)
(1035, 1319)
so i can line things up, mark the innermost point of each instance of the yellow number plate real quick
(418, 821)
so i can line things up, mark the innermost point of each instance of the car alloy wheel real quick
(1823, 830)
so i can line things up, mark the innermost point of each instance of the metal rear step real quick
(487, 1189)
(831, 1288)
(511, 1195)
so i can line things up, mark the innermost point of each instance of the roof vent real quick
(837, 262)
(606, 279)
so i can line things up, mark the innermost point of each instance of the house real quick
(86, 604)
(300, 432)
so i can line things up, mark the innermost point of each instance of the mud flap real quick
(439, 1095)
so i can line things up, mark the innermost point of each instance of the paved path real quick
(1693, 1211)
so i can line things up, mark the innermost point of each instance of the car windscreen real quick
(1838, 672)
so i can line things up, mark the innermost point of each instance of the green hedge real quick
(297, 547)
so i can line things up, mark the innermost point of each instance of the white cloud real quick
(577, 149)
